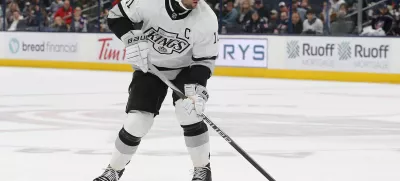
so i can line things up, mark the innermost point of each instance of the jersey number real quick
(129, 3)
(215, 37)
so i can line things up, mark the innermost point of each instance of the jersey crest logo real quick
(165, 42)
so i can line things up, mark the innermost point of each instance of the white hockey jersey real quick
(176, 40)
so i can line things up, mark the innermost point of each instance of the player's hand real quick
(198, 95)
(185, 112)
(136, 49)
(186, 106)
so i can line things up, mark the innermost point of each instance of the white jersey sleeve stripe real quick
(121, 9)
(115, 13)
(131, 9)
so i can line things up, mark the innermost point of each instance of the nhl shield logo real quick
(165, 42)
(174, 15)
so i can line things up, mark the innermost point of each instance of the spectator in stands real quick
(78, 24)
(216, 8)
(272, 21)
(12, 7)
(36, 2)
(327, 16)
(396, 28)
(283, 25)
(18, 23)
(27, 9)
(59, 25)
(245, 12)
(256, 24)
(384, 20)
(82, 3)
(47, 3)
(20, 3)
(2, 20)
(46, 21)
(37, 16)
(209, 4)
(297, 24)
(103, 22)
(335, 4)
(231, 15)
(296, 9)
(32, 18)
(56, 5)
(282, 7)
(1, 23)
(238, 3)
(259, 7)
(342, 25)
(326, 24)
(65, 12)
(304, 4)
(312, 25)
(104, 28)
(326, 11)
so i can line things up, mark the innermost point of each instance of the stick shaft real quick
(212, 125)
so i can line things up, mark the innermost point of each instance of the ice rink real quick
(60, 125)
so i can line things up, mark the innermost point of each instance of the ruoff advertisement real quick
(243, 52)
(339, 54)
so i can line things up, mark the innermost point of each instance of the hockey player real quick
(180, 38)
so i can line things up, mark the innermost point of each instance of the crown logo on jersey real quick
(165, 42)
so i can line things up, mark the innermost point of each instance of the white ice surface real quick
(60, 125)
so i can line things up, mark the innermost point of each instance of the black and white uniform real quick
(178, 40)
(184, 46)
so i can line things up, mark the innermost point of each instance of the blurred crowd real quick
(54, 16)
(318, 17)
(311, 17)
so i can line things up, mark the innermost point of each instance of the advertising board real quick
(340, 54)
(243, 52)
(361, 59)
(108, 48)
(232, 52)
(42, 46)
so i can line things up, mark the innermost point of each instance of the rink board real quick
(292, 57)
(224, 71)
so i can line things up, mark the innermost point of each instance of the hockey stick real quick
(215, 127)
